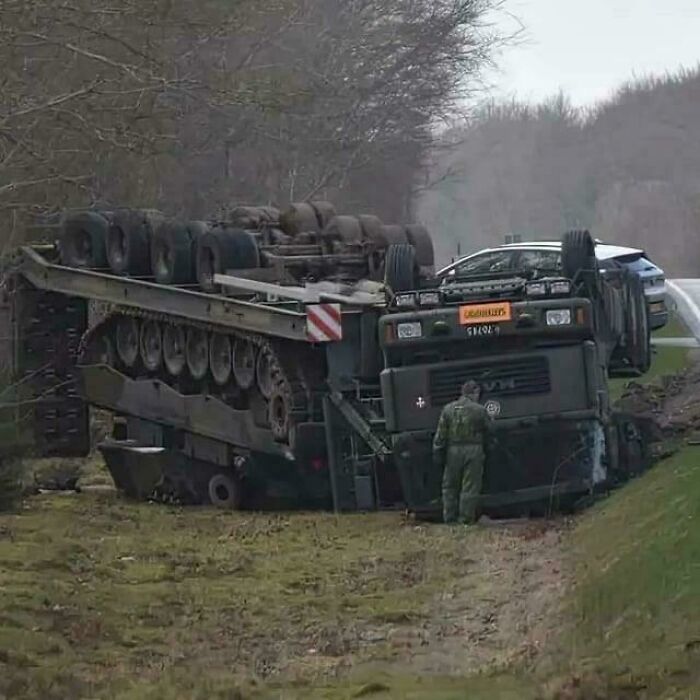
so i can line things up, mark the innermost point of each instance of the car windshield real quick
(638, 264)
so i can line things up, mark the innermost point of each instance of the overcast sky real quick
(588, 47)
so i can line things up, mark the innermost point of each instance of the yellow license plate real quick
(485, 313)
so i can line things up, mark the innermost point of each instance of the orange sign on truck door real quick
(485, 313)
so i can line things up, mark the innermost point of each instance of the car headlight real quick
(409, 330)
(429, 298)
(559, 317)
(536, 289)
(405, 300)
(562, 287)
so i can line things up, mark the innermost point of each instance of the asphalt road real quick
(686, 294)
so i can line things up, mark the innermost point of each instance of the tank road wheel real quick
(100, 352)
(280, 415)
(400, 268)
(128, 337)
(265, 372)
(244, 363)
(224, 492)
(197, 353)
(174, 343)
(83, 240)
(220, 358)
(151, 345)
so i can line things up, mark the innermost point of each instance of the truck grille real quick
(513, 377)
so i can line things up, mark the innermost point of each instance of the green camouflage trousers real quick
(461, 483)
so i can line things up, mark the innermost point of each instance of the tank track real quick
(294, 369)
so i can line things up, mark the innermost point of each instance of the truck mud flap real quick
(47, 330)
(135, 470)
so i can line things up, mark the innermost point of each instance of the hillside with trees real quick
(629, 170)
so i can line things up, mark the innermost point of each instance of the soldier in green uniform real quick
(458, 449)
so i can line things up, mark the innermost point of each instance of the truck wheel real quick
(197, 353)
(420, 239)
(220, 250)
(638, 328)
(372, 230)
(151, 345)
(325, 212)
(83, 240)
(224, 492)
(244, 362)
(344, 228)
(129, 241)
(174, 343)
(299, 218)
(394, 234)
(578, 254)
(128, 337)
(172, 253)
(220, 359)
(400, 268)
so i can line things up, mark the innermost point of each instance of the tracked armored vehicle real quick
(308, 355)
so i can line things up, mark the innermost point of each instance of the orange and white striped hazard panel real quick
(324, 323)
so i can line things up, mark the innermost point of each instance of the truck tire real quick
(638, 330)
(129, 241)
(420, 239)
(299, 218)
(223, 249)
(172, 252)
(344, 228)
(578, 254)
(400, 268)
(325, 212)
(224, 492)
(83, 240)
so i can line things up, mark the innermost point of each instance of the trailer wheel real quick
(129, 241)
(420, 239)
(244, 363)
(578, 254)
(224, 492)
(344, 228)
(394, 234)
(298, 218)
(151, 345)
(128, 337)
(172, 253)
(197, 353)
(174, 343)
(220, 359)
(400, 268)
(373, 230)
(83, 240)
(325, 212)
(220, 250)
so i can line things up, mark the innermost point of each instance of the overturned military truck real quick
(304, 355)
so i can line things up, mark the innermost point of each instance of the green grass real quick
(636, 601)
(106, 599)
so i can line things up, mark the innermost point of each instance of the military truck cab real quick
(542, 349)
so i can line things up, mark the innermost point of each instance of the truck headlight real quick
(559, 317)
(536, 289)
(405, 300)
(562, 287)
(429, 298)
(412, 329)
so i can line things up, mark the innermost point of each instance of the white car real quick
(545, 256)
